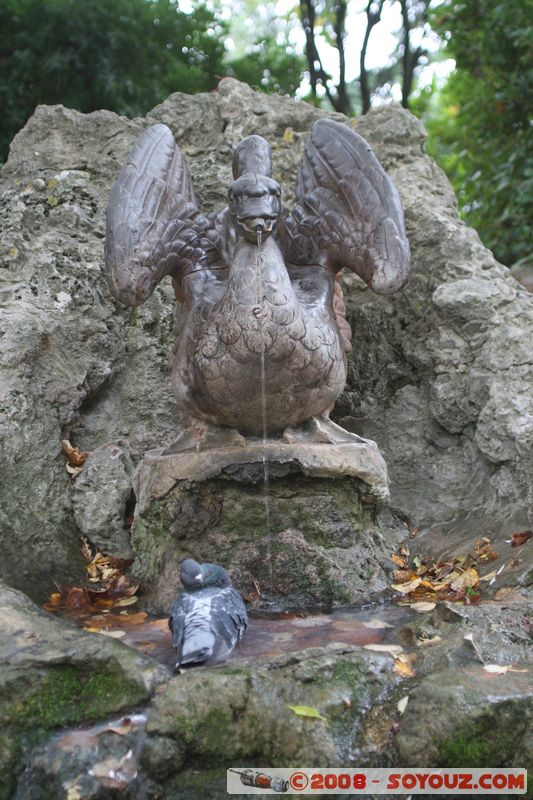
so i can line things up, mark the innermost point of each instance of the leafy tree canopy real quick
(125, 55)
(480, 128)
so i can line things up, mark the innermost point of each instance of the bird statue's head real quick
(196, 576)
(254, 196)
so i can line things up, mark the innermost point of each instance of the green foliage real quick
(260, 51)
(480, 125)
(124, 55)
(269, 67)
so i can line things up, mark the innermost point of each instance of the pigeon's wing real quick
(180, 613)
(348, 211)
(151, 227)
(229, 621)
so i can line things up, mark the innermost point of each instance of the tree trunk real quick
(372, 18)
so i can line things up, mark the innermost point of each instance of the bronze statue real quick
(263, 341)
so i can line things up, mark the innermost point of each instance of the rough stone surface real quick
(440, 374)
(323, 544)
(310, 538)
(159, 472)
(101, 516)
(53, 674)
(205, 720)
(470, 719)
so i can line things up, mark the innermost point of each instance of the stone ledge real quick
(157, 473)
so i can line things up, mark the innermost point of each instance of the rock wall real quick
(439, 374)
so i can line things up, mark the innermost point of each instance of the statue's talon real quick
(322, 430)
(204, 437)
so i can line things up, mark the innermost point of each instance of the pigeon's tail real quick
(197, 649)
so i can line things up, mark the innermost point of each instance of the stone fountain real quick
(259, 475)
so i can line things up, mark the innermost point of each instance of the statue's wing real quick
(348, 212)
(151, 229)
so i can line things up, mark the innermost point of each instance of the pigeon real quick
(209, 618)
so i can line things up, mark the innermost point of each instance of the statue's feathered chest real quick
(261, 309)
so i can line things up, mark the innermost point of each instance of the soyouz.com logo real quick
(468, 782)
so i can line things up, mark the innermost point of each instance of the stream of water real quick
(264, 423)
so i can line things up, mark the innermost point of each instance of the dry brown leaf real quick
(86, 549)
(505, 593)
(54, 599)
(75, 458)
(71, 598)
(489, 576)
(520, 538)
(404, 575)
(113, 634)
(407, 588)
(104, 568)
(422, 607)
(401, 562)
(468, 579)
(403, 665)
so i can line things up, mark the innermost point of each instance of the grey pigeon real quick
(208, 618)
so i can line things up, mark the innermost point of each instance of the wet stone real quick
(310, 538)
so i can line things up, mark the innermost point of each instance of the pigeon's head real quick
(199, 576)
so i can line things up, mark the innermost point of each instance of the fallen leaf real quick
(520, 538)
(113, 634)
(393, 649)
(404, 550)
(118, 587)
(114, 773)
(402, 704)
(422, 607)
(105, 568)
(398, 560)
(404, 575)
(501, 669)
(306, 711)
(125, 726)
(71, 598)
(376, 624)
(489, 576)
(73, 471)
(75, 458)
(86, 549)
(423, 641)
(54, 598)
(126, 601)
(74, 790)
(468, 579)
(406, 588)
(403, 665)
(505, 592)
